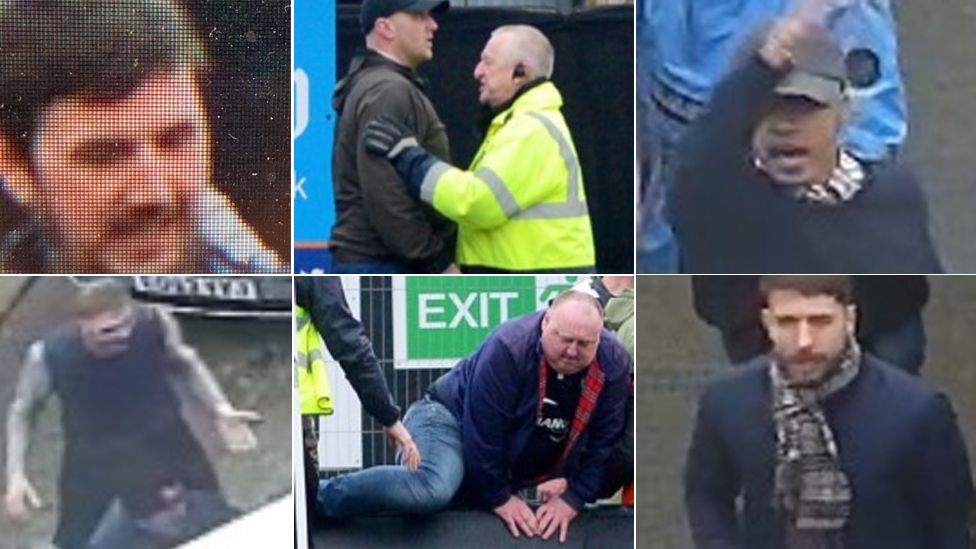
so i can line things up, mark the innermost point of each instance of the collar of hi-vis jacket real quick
(592, 387)
(544, 96)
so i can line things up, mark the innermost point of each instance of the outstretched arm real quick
(33, 388)
(232, 424)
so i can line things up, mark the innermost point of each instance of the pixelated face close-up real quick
(117, 181)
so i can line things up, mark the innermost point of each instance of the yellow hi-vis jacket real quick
(521, 205)
(314, 392)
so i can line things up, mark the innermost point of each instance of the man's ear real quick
(15, 175)
(851, 320)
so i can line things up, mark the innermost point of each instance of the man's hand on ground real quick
(551, 489)
(232, 425)
(556, 514)
(517, 515)
(398, 435)
(21, 498)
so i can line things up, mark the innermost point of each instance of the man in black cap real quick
(379, 228)
(764, 185)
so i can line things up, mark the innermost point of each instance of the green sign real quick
(440, 319)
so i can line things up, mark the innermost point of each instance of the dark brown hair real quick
(103, 49)
(840, 287)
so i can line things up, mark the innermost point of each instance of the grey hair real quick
(531, 48)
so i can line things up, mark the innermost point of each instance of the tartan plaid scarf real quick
(592, 387)
(812, 493)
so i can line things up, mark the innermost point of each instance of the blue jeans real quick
(657, 248)
(393, 488)
(383, 266)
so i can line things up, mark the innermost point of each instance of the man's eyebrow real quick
(92, 148)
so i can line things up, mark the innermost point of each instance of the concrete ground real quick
(250, 358)
(938, 54)
(676, 352)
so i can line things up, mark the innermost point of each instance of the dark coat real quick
(376, 218)
(494, 395)
(731, 218)
(899, 446)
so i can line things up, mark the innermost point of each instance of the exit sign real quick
(437, 320)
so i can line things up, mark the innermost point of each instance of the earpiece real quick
(519, 70)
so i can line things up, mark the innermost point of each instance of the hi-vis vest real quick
(314, 392)
(521, 205)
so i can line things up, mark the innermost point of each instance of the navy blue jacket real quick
(494, 393)
(899, 446)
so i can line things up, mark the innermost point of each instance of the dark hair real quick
(101, 48)
(840, 287)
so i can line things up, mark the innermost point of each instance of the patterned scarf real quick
(846, 181)
(812, 493)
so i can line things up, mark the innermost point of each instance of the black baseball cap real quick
(374, 9)
(819, 72)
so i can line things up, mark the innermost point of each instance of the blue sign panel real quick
(313, 121)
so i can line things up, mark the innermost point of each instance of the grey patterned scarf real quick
(812, 493)
(847, 180)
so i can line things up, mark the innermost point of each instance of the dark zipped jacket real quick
(376, 218)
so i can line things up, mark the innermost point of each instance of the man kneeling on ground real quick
(544, 396)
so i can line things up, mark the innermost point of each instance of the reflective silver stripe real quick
(501, 192)
(554, 211)
(307, 359)
(573, 207)
(302, 321)
(430, 181)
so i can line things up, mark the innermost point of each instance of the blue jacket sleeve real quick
(605, 428)
(488, 411)
(345, 338)
(711, 484)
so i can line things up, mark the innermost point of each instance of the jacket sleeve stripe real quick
(501, 192)
(430, 181)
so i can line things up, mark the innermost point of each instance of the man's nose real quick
(147, 182)
(804, 337)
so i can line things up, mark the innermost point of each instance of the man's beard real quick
(96, 258)
(827, 364)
